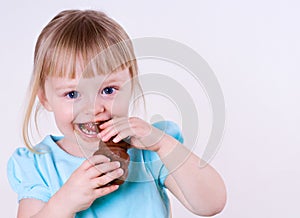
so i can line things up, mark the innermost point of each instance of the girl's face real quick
(78, 104)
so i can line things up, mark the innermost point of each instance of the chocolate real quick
(116, 152)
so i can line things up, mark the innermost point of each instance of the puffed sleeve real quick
(156, 166)
(25, 177)
(170, 128)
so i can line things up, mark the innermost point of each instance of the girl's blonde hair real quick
(72, 38)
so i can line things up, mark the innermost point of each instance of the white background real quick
(253, 48)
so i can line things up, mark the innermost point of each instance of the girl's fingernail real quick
(120, 171)
(117, 164)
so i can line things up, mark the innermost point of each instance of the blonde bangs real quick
(85, 48)
(70, 61)
(111, 59)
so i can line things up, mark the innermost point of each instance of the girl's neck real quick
(74, 149)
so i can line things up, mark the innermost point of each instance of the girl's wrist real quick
(166, 145)
(172, 153)
(55, 209)
(60, 206)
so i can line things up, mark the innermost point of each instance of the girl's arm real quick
(30, 207)
(79, 191)
(200, 189)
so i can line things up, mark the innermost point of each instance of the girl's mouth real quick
(90, 129)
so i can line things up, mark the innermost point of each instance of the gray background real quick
(253, 48)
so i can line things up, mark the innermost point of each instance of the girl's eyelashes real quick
(108, 90)
(72, 94)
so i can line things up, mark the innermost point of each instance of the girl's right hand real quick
(85, 184)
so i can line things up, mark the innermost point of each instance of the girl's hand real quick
(142, 134)
(84, 185)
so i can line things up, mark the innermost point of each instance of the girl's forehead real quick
(117, 75)
(122, 75)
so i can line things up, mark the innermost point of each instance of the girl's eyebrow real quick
(65, 86)
(115, 77)
(61, 83)
(111, 80)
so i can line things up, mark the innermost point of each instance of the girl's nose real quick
(90, 107)
(99, 106)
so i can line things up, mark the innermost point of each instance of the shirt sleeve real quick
(170, 128)
(156, 166)
(25, 177)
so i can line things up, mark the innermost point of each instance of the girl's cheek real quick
(120, 105)
(120, 109)
(65, 112)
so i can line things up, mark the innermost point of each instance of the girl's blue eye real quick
(108, 90)
(73, 94)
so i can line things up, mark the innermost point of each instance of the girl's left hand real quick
(142, 134)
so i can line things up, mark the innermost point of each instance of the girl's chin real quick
(87, 146)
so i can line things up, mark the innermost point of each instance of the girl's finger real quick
(107, 178)
(113, 121)
(94, 160)
(132, 128)
(109, 129)
(102, 168)
(116, 129)
(99, 192)
(126, 133)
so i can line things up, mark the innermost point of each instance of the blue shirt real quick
(39, 176)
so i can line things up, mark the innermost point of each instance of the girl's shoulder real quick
(44, 148)
(40, 156)
(25, 170)
(38, 173)
(170, 128)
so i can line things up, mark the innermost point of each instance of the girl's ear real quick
(43, 99)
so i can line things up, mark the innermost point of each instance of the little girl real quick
(85, 73)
